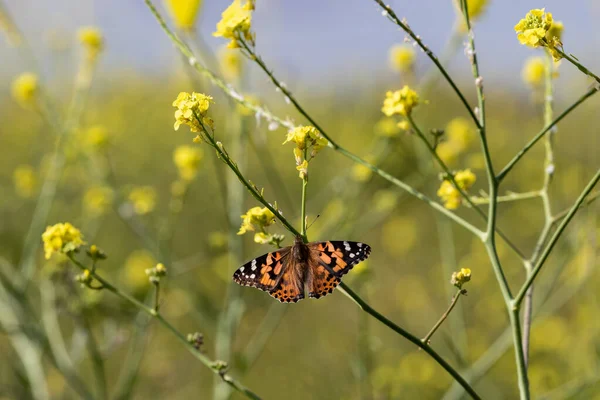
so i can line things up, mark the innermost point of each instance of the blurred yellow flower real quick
(475, 7)
(361, 173)
(135, 268)
(243, 109)
(400, 102)
(385, 200)
(187, 159)
(449, 194)
(387, 127)
(25, 181)
(460, 133)
(555, 32)
(235, 23)
(184, 12)
(190, 107)
(231, 63)
(25, 89)
(98, 199)
(534, 71)
(217, 240)
(256, 218)
(425, 372)
(143, 199)
(61, 238)
(96, 137)
(402, 57)
(92, 40)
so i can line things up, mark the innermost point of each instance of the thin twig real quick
(445, 315)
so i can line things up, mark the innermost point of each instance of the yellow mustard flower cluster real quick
(235, 23)
(534, 71)
(459, 134)
(402, 57)
(400, 102)
(306, 138)
(98, 199)
(536, 30)
(25, 89)
(61, 238)
(92, 40)
(25, 181)
(187, 159)
(256, 218)
(449, 194)
(184, 12)
(191, 111)
(461, 277)
(143, 199)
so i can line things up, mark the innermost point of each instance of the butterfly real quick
(316, 267)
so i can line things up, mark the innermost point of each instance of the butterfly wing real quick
(330, 261)
(274, 273)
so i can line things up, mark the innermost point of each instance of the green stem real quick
(508, 197)
(391, 15)
(368, 309)
(439, 323)
(577, 64)
(156, 296)
(150, 311)
(303, 209)
(517, 337)
(502, 174)
(548, 249)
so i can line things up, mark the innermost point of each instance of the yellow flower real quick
(256, 218)
(98, 199)
(475, 7)
(361, 173)
(25, 181)
(96, 137)
(461, 277)
(302, 169)
(190, 107)
(534, 71)
(187, 159)
(402, 57)
(555, 32)
(235, 23)
(531, 30)
(61, 238)
(92, 40)
(184, 12)
(231, 63)
(387, 127)
(143, 199)
(306, 137)
(460, 133)
(25, 89)
(135, 268)
(449, 194)
(400, 102)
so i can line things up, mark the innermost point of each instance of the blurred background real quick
(127, 183)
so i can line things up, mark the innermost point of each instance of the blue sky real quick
(309, 39)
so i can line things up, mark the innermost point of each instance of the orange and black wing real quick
(330, 261)
(274, 273)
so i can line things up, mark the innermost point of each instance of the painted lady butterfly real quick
(316, 267)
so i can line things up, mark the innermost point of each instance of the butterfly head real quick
(300, 251)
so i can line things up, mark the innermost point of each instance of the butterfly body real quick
(315, 268)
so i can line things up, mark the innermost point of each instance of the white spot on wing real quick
(347, 246)
(351, 255)
(242, 269)
(252, 276)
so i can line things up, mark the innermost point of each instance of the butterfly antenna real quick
(314, 220)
